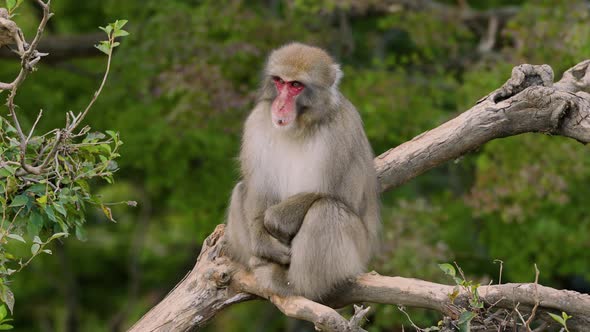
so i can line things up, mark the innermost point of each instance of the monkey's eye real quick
(277, 79)
(296, 84)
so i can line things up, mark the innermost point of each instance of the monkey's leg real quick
(284, 219)
(270, 276)
(331, 246)
(237, 232)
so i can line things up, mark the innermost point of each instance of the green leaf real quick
(10, 4)
(35, 224)
(466, 316)
(120, 33)
(35, 248)
(93, 137)
(448, 269)
(557, 318)
(58, 235)
(19, 200)
(105, 148)
(38, 189)
(4, 327)
(50, 213)
(42, 200)
(8, 298)
(104, 47)
(7, 171)
(60, 226)
(475, 303)
(113, 134)
(81, 234)
(84, 185)
(60, 208)
(16, 237)
(120, 23)
(464, 321)
(107, 29)
(3, 312)
(37, 240)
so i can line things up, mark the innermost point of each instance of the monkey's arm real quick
(284, 219)
(245, 229)
(265, 245)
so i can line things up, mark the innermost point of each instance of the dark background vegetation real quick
(184, 81)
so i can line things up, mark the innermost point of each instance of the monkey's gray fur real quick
(305, 216)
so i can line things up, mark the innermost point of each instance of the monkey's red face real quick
(283, 108)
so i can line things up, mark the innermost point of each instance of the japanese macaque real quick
(305, 217)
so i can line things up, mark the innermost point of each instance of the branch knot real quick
(523, 76)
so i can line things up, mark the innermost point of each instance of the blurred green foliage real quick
(186, 79)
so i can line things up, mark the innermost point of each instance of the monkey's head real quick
(301, 81)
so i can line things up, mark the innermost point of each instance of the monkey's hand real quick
(270, 248)
(283, 220)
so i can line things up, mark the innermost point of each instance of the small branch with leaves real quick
(44, 188)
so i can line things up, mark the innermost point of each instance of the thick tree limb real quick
(216, 282)
(527, 102)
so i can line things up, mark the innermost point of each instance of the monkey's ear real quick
(336, 74)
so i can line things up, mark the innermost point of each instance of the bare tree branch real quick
(29, 58)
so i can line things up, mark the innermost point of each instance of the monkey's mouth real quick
(283, 119)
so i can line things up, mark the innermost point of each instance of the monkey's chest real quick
(290, 169)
